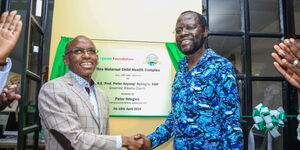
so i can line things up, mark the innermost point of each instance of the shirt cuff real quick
(151, 138)
(118, 142)
(7, 67)
(4, 73)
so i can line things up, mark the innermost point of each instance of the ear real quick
(97, 59)
(205, 32)
(66, 60)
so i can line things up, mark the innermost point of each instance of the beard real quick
(194, 47)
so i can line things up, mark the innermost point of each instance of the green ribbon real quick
(267, 119)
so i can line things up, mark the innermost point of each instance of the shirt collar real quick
(82, 82)
(183, 63)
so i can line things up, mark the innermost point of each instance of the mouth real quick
(185, 42)
(87, 65)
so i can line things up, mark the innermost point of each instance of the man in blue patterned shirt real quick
(205, 100)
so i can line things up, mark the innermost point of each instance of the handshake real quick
(136, 142)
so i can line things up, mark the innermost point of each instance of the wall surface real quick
(128, 20)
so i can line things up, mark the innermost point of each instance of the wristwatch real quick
(3, 63)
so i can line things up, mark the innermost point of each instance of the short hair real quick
(202, 20)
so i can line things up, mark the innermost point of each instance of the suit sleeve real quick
(58, 117)
(227, 92)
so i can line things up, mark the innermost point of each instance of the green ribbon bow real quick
(267, 119)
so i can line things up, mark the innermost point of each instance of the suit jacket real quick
(68, 117)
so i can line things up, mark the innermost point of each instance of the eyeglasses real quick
(81, 51)
(188, 28)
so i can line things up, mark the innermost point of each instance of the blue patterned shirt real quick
(205, 107)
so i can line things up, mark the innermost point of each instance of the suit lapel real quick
(100, 106)
(82, 94)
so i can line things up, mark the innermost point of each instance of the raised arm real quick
(10, 29)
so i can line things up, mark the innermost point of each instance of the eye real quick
(78, 51)
(190, 27)
(178, 30)
(91, 51)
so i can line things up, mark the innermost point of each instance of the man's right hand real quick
(131, 143)
(147, 141)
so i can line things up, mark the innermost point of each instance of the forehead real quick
(82, 42)
(187, 18)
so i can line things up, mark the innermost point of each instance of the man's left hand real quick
(8, 95)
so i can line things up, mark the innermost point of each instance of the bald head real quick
(78, 39)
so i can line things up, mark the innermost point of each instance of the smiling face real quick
(190, 36)
(82, 64)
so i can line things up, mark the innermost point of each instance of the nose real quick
(86, 54)
(183, 32)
